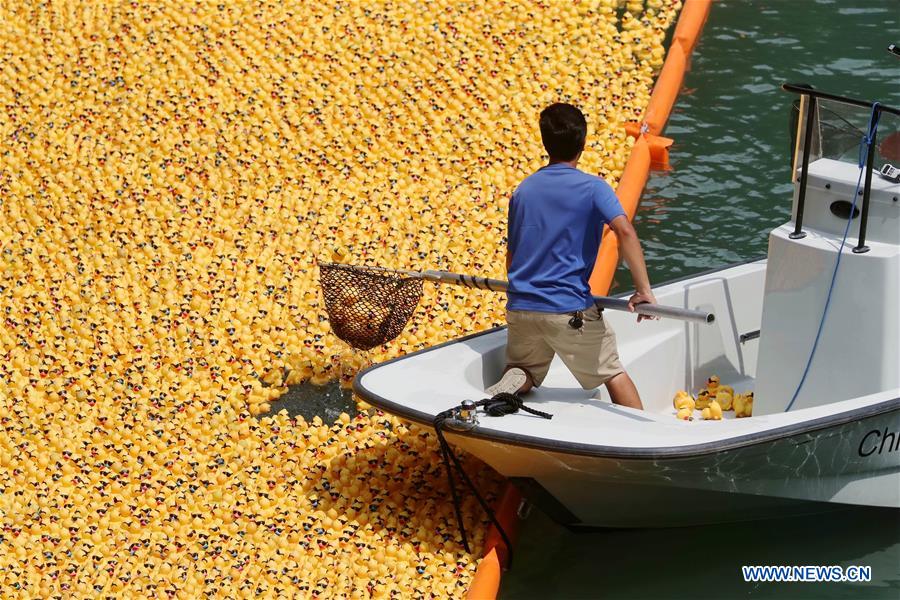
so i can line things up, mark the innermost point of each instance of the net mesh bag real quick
(366, 306)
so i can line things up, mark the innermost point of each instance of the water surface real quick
(730, 180)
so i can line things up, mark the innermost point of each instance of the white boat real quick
(837, 443)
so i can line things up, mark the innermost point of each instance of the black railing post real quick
(807, 142)
(867, 190)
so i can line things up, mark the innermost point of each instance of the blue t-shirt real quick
(556, 219)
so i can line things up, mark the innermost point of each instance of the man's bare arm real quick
(630, 248)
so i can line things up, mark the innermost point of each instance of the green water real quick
(729, 187)
(729, 184)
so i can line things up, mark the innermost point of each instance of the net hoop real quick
(368, 306)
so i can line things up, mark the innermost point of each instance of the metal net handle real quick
(499, 285)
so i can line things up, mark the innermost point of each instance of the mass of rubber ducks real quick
(170, 174)
(714, 399)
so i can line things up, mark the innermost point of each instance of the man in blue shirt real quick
(556, 219)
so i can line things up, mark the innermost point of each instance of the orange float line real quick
(666, 89)
(650, 149)
(690, 23)
(486, 582)
(631, 186)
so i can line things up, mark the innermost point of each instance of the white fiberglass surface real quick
(661, 356)
(434, 381)
(665, 356)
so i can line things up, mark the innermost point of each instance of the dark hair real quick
(563, 131)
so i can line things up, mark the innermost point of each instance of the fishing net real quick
(368, 306)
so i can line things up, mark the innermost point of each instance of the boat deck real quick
(661, 357)
(582, 419)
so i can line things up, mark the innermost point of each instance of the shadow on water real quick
(324, 401)
(705, 562)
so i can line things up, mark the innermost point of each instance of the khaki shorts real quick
(590, 353)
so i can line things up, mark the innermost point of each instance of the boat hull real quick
(854, 463)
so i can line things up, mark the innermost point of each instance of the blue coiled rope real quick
(864, 144)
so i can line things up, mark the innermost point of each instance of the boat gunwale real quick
(601, 451)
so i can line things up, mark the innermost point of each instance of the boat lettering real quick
(889, 442)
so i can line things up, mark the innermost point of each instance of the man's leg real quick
(528, 356)
(623, 392)
(592, 357)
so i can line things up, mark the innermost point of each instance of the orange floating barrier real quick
(666, 89)
(668, 83)
(690, 24)
(659, 151)
(659, 145)
(650, 150)
(631, 185)
(486, 582)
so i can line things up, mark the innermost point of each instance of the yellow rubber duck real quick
(743, 405)
(685, 414)
(680, 396)
(685, 401)
(724, 397)
(703, 399)
(713, 411)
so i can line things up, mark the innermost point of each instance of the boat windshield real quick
(837, 130)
